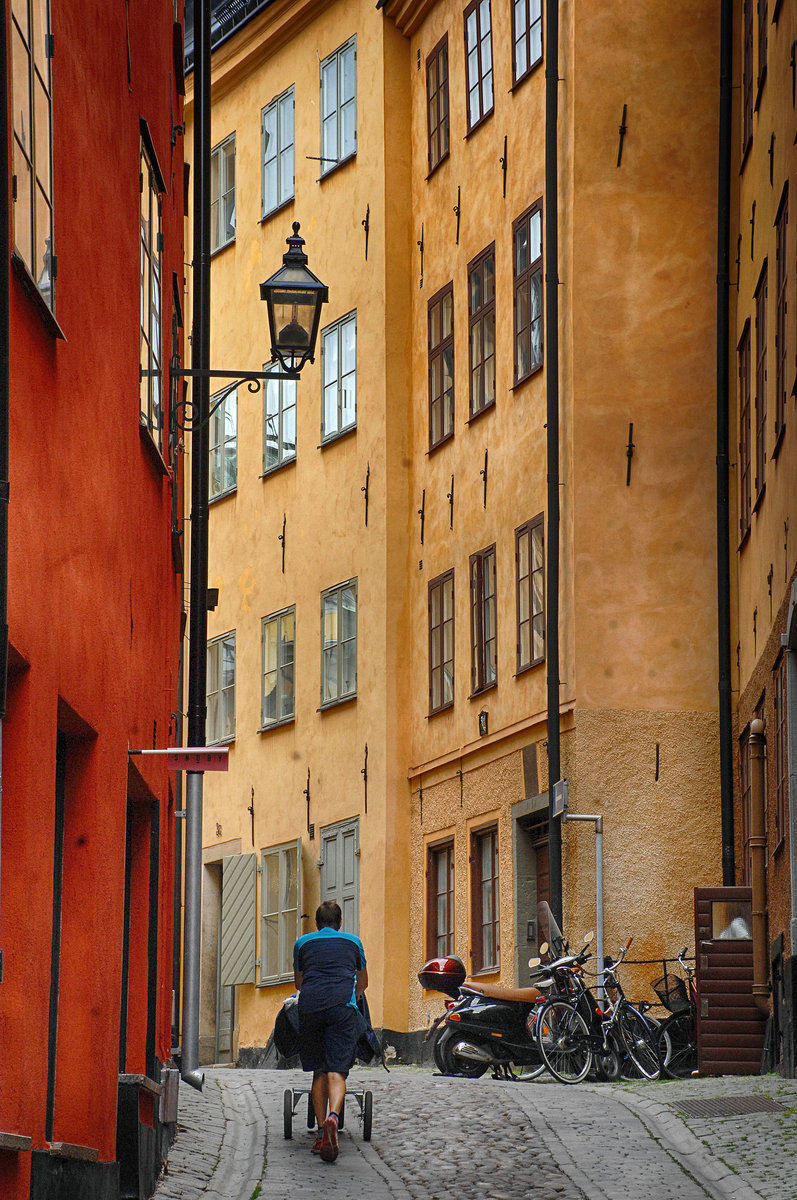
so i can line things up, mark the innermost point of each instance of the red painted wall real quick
(94, 599)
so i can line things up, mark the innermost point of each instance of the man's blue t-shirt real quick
(329, 961)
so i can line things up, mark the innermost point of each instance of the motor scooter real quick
(484, 1026)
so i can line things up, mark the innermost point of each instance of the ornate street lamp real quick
(294, 296)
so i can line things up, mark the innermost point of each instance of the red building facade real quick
(95, 191)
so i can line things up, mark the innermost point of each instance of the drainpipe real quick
(758, 861)
(5, 387)
(198, 628)
(552, 404)
(723, 490)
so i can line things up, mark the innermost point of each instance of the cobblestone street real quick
(439, 1138)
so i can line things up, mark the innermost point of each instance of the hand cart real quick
(363, 1096)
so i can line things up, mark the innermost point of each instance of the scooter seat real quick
(494, 991)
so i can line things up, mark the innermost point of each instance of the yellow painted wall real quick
(320, 495)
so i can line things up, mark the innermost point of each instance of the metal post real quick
(598, 889)
(198, 628)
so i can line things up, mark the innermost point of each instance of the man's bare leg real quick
(320, 1094)
(336, 1091)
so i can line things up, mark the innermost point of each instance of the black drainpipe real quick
(552, 392)
(5, 387)
(723, 503)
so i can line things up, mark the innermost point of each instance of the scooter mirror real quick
(589, 937)
(534, 962)
(544, 948)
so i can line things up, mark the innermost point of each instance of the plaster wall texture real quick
(320, 495)
(487, 795)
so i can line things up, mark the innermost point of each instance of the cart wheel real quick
(310, 1111)
(342, 1115)
(368, 1112)
(287, 1112)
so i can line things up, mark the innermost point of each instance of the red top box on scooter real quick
(443, 975)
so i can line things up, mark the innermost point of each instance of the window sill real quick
(220, 249)
(529, 71)
(477, 695)
(762, 78)
(278, 724)
(330, 704)
(778, 849)
(475, 416)
(29, 286)
(280, 981)
(336, 437)
(435, 712)
(222, 496)
(273, 212)
(229, 741)
(289, 462)
(759, 500)
(152, 448)
(483, 972)
(744, 540)
(478, 124)
(745, 154)
(341, 163)
(518, 383)
(526, 667)
(443, 442)
(433, 170)
(779, 436)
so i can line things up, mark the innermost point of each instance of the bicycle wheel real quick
(678, 1046)
(639, 1042)
(563, 1039)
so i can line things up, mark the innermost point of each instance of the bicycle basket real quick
(671, 990)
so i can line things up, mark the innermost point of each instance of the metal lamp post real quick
(294, 298)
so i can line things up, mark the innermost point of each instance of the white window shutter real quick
(238, 919)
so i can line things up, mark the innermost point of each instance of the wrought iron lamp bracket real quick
(252, 379)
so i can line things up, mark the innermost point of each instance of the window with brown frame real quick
(440, 900)
(485, 941)
(747, 78)
(441, 642)
(527, 274)
(760, 384)
(526, 37)
(763, 15)
(481, 330)
(781, 752)
(781, 225)
(746, 798)
(441, 366)
(745, 500)
(484, 641)
(530, 568)
(437, 103)
(478, 62)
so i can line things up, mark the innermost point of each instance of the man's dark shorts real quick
(328, 1039)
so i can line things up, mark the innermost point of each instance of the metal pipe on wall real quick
(723, 457)
(552, 406)
(758, 865)
(198, 622)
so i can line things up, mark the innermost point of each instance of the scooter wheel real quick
(458, 1066)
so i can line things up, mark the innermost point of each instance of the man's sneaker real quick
(329, 1140)
(316, 1147)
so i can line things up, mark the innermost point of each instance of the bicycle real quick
(677, 1041)
(574, 1030)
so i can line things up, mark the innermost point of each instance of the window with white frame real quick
(530, 569)
(280, 910)
(277, 130)
(339, 643)
(151, 245)
(222, 194)
(339, 106)
(279, 421)
(223, 441)
(339, 375)
(32, 104)
(478, 61)
(221, 689)
(279, 660)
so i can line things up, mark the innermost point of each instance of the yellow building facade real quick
(424, 770)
